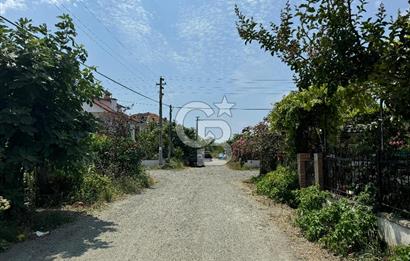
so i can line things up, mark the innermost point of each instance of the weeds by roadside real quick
(346, 228)
(234, 165)
(175, 164)
(95, 190)
(113, 171)
(279, 185)
(13, 231)
(400, 253)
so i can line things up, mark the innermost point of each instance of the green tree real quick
(299, 116)
(148, 140)
(392, 73)
(43, 86)
(336, 53)
(323, 41)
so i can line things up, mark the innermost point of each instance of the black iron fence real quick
(388, 173)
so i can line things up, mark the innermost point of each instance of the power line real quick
(99, 42)
(139, 103)
(16, 25)
(89, 67)
(125, 86)
(122, 85)
(237, 108)
(159, 55)
(111, 33)
(203, 79)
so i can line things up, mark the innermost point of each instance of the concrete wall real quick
(253, 163)
(150, 163)
(394, 231)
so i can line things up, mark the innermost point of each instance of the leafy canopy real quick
(42, 89)
(344, 61)
(323, 42)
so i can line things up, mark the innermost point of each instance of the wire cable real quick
(122, 85)
(108, 50)
(89, 67)
(112, 34)
(237, 108)
(128, 88)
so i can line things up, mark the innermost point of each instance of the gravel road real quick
(193, 214)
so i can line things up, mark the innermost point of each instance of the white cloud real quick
(55, 1)
(133, 23)
(195, 27)
(7, 5)
(129, 16)
(209, 36)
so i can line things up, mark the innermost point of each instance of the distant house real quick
(104, 107)
(143, 119)
(112, 115)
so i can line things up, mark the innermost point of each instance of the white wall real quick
(95, 108)
(253, 163)
(393, 232)
(92, 109)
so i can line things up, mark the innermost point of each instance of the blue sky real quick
(192, 43)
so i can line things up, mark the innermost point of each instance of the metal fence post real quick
(379, 177)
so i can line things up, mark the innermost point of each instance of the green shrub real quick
(60, 186)
(47, 220)
(236, 165)
(116, 156)
(130, 185)
(367, 196)
(174, 163)
(95, 188)
(43, 88)
(311, 198)
(16, 230)
(339, 225)
(400, 253)
(255, 179)
(10, 233)
(316, 223)
(354, 231)
(179, 154)
(279, 185)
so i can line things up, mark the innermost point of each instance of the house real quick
(104, 107)
(112, 115)
(143, 119)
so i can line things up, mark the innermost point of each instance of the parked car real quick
(222, 156)
(195, 158)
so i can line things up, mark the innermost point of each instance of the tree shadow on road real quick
(71, 240)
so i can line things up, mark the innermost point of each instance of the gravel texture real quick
(193, 214)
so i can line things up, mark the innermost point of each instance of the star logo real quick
(224, 107)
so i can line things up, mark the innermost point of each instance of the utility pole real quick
(196, 132)
(161, 85)
(170, 134)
